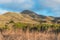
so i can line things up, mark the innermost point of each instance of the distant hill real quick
(16, 17)
(35, 16)
(27, 16)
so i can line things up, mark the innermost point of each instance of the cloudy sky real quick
(43, 7)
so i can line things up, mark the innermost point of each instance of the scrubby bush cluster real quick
(33, 27)
(39, 28)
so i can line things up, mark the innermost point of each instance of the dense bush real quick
(11, 21)
(33, 27)
(40, 27)
(56, 27)
(20, 26)
(43, 27)
(2, 28)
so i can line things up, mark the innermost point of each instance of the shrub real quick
(56, 28)
(44, 27)
(33, 29)
(4, 28)
(11, 21)
(20, 26)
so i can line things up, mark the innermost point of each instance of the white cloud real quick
(26, 4)
(5, 1)
(50, 3)
(3, 11)
(53, 4)
(15, 5)
(23, 4)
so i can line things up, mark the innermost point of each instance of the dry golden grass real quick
(16, 17)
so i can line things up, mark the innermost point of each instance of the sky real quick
(41, 7)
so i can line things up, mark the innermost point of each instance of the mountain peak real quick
(28, 12)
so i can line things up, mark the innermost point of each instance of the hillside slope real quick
(21, 31)
(26, 16)
(16, 17)
(36, 17)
